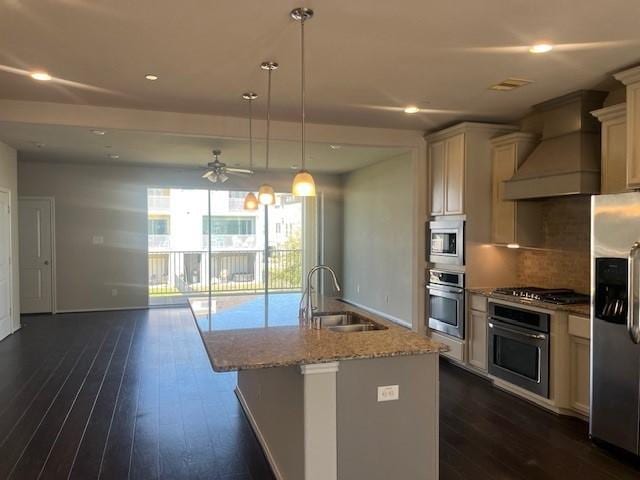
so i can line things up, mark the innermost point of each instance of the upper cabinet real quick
(456, 155)
(631, 78)
(512, 222)
(614, 148)
(446, 173)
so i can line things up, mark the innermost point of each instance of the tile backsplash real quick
(565, 261)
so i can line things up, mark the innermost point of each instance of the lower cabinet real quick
(456, 346)
(580, 361)
(477, 339)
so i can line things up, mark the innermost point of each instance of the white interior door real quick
(5, 265)
(35, 255)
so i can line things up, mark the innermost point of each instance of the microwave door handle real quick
(536, 336)
(632, 312)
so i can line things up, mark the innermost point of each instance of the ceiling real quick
(78, 144)
(366, 60)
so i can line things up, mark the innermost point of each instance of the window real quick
(229, 225)
(159, 226)
(239, 195)
(278, 227)
(159, 192)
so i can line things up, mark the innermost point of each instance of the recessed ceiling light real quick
(98, 132)
(411, 109)
(151, 76)
(335, 147)
(114, 155)
(294, 167)
(38, 144)
(541, 48)
(41, 76)
(513, 245)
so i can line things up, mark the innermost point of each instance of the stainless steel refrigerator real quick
(615, 329)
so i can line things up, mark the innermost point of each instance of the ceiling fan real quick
(217, 171)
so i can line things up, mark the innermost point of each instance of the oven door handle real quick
(632, 324)
(537, 336)
(444, 289)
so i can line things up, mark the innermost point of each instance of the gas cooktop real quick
(558, 296)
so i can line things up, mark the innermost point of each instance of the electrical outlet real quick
(388, 392)
(386, 299)
(98, 240)
(114, 292)
(358, 288)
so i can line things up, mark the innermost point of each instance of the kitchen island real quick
(329, 404)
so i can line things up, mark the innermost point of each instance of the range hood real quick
(567, 160)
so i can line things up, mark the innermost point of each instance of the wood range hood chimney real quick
(567, 160)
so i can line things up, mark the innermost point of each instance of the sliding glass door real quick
(236, 268)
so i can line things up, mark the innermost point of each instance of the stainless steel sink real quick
(346, 322)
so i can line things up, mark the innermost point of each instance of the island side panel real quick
(274, 399)
(394, 439)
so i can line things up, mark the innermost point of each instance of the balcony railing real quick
(229, 242)
(233, 271)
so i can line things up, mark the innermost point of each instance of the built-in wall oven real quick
(519, 346)
(445, 300)
(446, 242)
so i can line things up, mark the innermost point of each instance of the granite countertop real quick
(279, 346)
(582, 309)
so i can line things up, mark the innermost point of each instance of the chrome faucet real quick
(306, 311)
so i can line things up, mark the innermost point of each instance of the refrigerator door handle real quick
(632, 313)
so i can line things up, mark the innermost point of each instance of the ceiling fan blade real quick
(240, 170)
(208, 174)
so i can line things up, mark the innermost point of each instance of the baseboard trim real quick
(259, 436)
(112, 309)
(386, 316)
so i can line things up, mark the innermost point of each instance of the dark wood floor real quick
(132, 395)
(119, 395)
(486, 433)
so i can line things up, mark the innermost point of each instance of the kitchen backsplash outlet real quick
(566, 263)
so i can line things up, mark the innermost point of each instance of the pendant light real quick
(266, 195)
(303, 184)
(250, 201)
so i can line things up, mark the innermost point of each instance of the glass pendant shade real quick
(266, 195)
(303, 185)
(250, 202)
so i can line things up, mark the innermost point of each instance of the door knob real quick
(46, 262)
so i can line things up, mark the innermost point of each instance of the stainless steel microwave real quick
(446, 242)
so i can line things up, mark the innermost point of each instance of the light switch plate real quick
(98, 240)
(387, 393)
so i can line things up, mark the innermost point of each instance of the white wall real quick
(111, 202)
(378, 231)
(9, 180)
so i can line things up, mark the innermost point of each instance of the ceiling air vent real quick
(510, 84)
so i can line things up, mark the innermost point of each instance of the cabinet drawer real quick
(456, 347)
(579, 326)
(478, 302)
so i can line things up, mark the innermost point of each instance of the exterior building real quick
(184, 227)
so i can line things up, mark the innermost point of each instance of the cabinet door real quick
(503, 212)
(454, 176)
(436, 177)
(633, 135)
(477, 339)
(580, 374)
(614, 156)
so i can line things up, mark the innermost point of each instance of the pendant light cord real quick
(302, 88)
(250, 133)
(268, 114)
